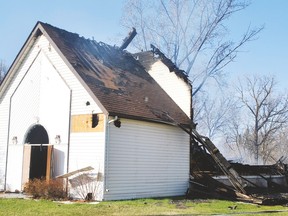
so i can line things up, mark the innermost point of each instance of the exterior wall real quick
(42, 97)
(87, 149)
(14, 176)
(174, 86)
(146, 159)
(45, 91)
(4, 113)
(4, 107)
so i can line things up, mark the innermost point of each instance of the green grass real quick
(135, 207)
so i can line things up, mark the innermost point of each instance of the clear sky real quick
(100, 19)
(89, 18)
(269, 53)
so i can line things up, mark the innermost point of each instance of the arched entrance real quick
(37, 137)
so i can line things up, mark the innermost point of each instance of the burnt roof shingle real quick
(117, 79)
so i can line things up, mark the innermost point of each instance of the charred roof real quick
(148, 58)
(118, 80)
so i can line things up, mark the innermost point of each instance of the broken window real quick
(95, 120)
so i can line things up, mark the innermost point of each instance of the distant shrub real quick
(40, 188)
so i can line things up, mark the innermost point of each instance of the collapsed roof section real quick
(148, 58)
(117, 79)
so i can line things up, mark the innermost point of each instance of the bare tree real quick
(264, 115)
(214, 115)
(281, 146)
(190, 32)
(3, 70)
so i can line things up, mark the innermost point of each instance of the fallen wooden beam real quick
(67, 175)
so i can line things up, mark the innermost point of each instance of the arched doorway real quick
(37, 137)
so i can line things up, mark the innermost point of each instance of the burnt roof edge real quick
(171, 66)
(120, 115)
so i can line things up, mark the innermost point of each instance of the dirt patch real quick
(182, 203)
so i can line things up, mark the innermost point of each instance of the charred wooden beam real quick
(128, 39)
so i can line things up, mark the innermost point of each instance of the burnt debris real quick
(264, 189)
(128, 39)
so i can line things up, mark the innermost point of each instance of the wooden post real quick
(49, 161)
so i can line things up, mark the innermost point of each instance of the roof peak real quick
(119, 82)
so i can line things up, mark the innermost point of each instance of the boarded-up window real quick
(87, 123)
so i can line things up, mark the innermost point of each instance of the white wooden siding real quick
(25, 103)
(14, 169)
(87, 149)
(146, 160)
(174, 86)
(52, 88)
(59, 163)
(4, 111)
(41, 97)
(4, 107)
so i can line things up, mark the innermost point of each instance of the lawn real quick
(137, 207)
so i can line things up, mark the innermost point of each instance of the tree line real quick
(250, 121)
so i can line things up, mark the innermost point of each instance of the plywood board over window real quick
(87, 123)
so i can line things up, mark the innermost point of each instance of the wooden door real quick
(26, 164)
(49, 162)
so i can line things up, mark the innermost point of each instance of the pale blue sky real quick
(89, 18)
(269, 53)
(100, 19)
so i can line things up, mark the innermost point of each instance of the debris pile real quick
(260, 182)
